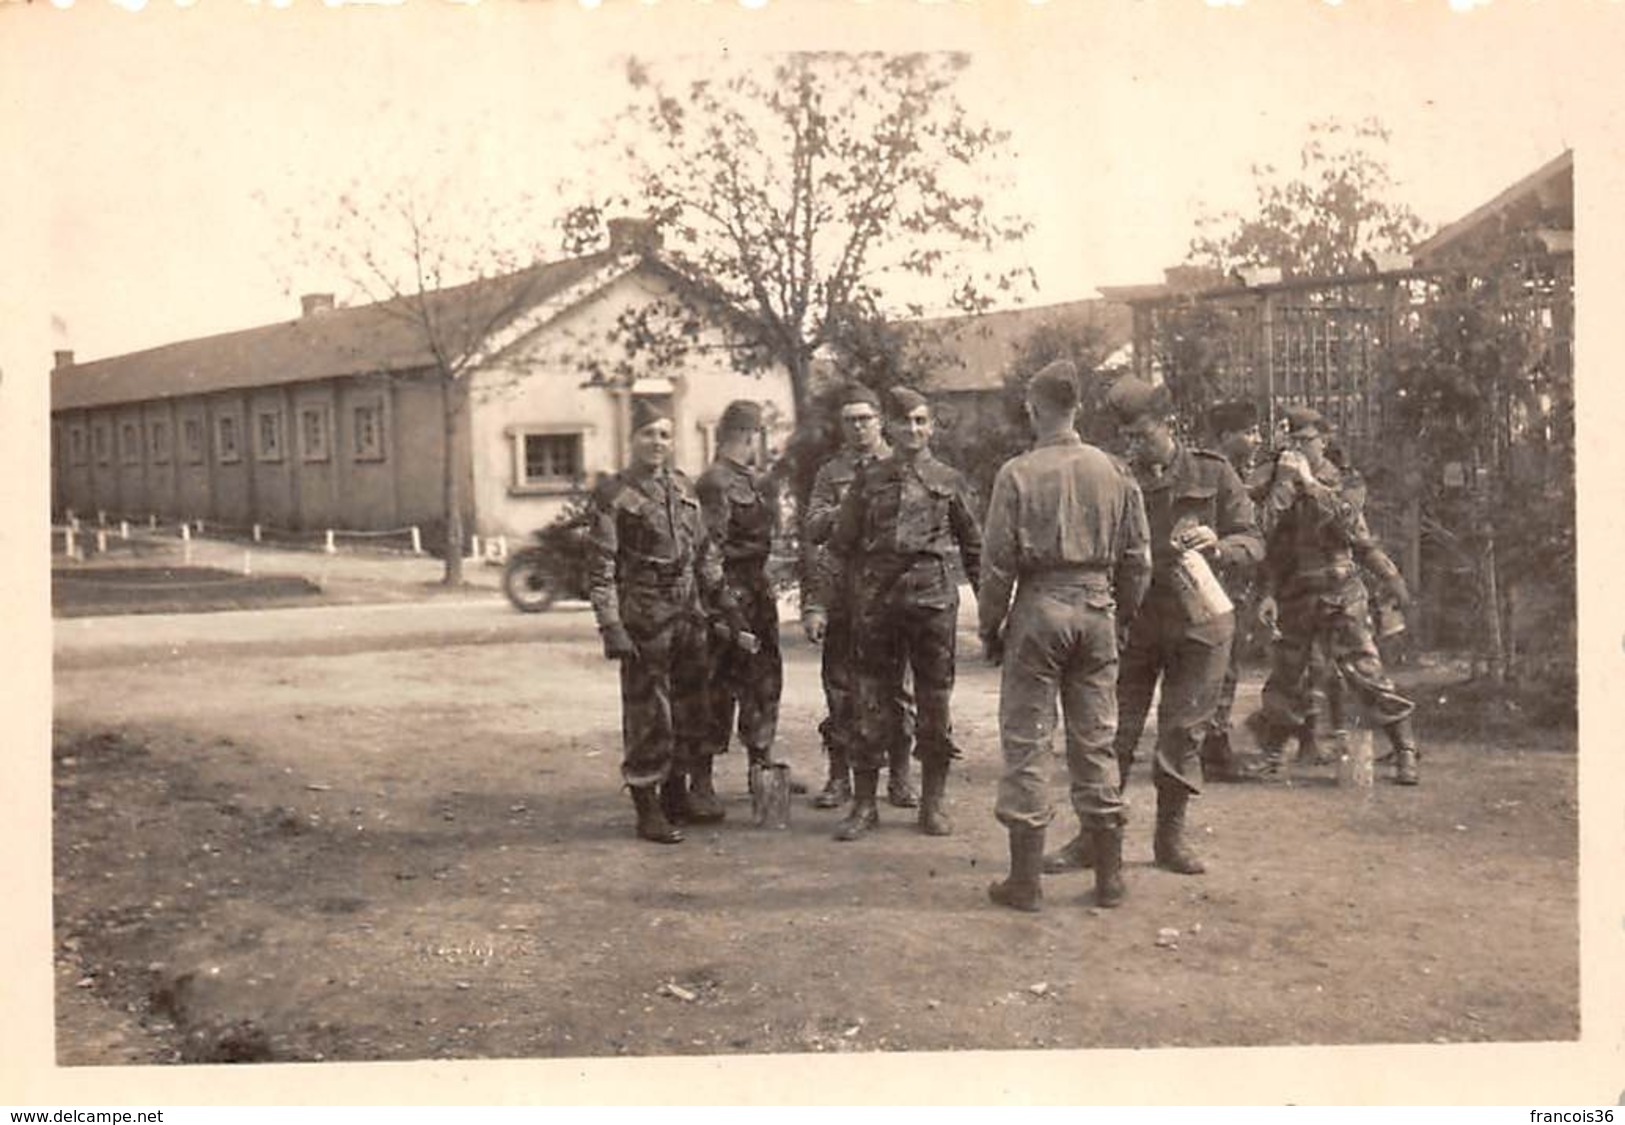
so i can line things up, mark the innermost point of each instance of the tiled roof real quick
(1545, 197)
(981, 348)
(345, 341)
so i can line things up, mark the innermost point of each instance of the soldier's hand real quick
(1197, 537)
(815, 624)
(748, 641)
(993, 648)
(618, 644)
(1293, 464)
(1269, 614)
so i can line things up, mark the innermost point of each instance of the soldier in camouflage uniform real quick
(655, 578)
(1236, 436)
(741, 510)
(826, 606)
(1194, 502)
(1318, 539)
(895, 536)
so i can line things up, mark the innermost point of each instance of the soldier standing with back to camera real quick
(1318, 539)
(655, 579)
(895, 535)
(1066, 528)
(747, 674)
(826, 605)
(1194, 502)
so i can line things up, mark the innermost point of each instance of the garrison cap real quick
(1055, 385)
(741, 414)
(646, 412)
(1230, 417)
(905, 401)
(855, 392)
(1131, 399)
(1300, 418)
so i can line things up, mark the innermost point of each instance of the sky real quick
(163, 151)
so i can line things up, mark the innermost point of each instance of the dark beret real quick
(854, 393)
(1229, 417)
(1304, 418)
(905, 401)
(741, 414)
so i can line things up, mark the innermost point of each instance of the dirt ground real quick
(422, 852)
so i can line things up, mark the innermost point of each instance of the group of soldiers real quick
(1090, 585)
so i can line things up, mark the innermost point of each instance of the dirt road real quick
(330, 843)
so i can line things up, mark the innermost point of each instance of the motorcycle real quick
(551, 567)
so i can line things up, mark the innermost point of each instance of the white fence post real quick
(417, 540)
(68, 547)
(152, 522)
(331, 547)
(124, 529)
(101, 541)
(248, 562)
(101, 516)
(256, 533)
(473, 546)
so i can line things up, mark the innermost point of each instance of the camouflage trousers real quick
(744, 687)
(1337, 620)
(663, 700)
(839, 672)
(1060, 644)
(1190, 662)
(898, 635)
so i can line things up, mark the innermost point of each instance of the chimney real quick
(640, 235)
(313, 303)
(63, 359)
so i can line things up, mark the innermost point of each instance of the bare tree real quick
(798, 197)
(443, 292)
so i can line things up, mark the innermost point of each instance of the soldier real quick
(1318, 539)
(826, 606)
(741, 511)
(1194, 502)
(1236, 435)
(895, 534)
(652, 573)
(1066, 527)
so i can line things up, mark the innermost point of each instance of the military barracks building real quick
(334, 420)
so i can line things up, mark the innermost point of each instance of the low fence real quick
(79, 537)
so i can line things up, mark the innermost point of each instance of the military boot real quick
(1405, 755)
(1023, 890)
(652, 822)
(899, 792)
(1076, 854)
(674, 796)
(1218, 759)
(863, 816)
(1107, 844)
(702, 806)
(1272, 745)
(1169, 850)
(934, 785)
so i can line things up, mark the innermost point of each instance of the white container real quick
(1357, 765)
(1200, 592)
(770, 795)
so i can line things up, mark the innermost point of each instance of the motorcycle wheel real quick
(526, 583)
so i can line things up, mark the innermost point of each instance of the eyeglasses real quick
(858, 419)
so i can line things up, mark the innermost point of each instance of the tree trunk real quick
(1490, 599)
(451, 482)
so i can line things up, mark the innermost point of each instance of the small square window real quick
(268, 435)
(227, 441)
(314, 441)
(551, 458)
(368, 431)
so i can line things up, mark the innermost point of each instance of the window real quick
(129, 449)
(268, 435)
(78, 453)
(313, 433)
(192, 440)
(227, 441)
(104, 443)
(552, 458)
(548, 458)
(368, 419)
(158, 442)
